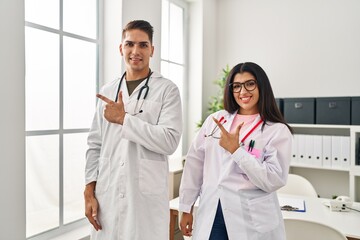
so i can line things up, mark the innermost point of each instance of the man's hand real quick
(114, 111)
(229, 141)
(91, 206)
(186, 224)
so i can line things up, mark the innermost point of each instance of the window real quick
(62, 75)
(173, 60)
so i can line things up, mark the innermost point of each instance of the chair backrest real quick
(297, 229)
(298, 185)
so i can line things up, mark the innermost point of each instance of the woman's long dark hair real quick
(268, 109)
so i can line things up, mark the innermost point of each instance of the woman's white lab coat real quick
(129, 162)
(245, 183)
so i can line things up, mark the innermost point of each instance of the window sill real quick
(81, 233)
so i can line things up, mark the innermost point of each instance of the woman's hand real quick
(186, 224)
(229, 141)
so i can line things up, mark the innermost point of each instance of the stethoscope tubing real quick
(145, 87)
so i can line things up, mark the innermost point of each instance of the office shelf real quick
(332, 181)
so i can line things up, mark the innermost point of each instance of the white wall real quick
(116, 15)
(309, 48)
(12, 121)
(110, 55)
(195, 73)
(209, 45)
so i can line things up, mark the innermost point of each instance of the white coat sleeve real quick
(94, 146)
(192, 177)
(271, 172)
(163, 137)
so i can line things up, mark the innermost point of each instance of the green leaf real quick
(217, 102)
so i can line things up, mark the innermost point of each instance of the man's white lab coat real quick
(245, 183)
(129, 162)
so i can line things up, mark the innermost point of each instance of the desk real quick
(346, 222)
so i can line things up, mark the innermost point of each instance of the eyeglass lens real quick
(248, 85)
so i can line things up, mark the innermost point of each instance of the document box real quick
(280, 104)
(355, 110)
(333, 110)
(299, 110)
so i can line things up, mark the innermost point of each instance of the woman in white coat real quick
(126, 193)
(238, 160)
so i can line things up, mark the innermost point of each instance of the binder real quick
(309, 149)
(301, 149)
(345, 151)
(326, 153)
(358, 153)
(294, 149)
(318, 150)
(336, 152)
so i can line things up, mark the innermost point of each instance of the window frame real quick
(64, 228)
(184, 5)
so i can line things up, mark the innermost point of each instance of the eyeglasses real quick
(249, 85)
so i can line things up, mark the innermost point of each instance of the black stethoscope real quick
(145, 87)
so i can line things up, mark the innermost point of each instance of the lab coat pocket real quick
(264, 214)
(153, 176)
(102, 183)
(151, 112)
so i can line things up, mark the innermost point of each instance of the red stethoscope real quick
(222, 120)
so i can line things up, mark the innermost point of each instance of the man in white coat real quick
(137, 123)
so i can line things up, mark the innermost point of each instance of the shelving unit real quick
(330, 181)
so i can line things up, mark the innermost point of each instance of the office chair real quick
(297, 229)
(298, 185)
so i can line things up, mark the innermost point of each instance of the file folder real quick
(309, 149)
(326, 144)
(294, 149)
(336, 152)
(345, 151)
(301, 147)
(318, 150)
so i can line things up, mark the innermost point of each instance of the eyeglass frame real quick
(242, 85)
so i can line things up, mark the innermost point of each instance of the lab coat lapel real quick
(125, 92)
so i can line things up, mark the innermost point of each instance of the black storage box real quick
(333, 110)
(280, 105)
(355, 110)
(299, 110)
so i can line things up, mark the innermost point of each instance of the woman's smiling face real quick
(247, 100)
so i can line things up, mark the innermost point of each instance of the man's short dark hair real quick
(141, 25)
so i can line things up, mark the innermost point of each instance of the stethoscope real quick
(143, 88)
(222, 121)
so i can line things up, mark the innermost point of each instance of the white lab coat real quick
(245, 184)
(129, 162)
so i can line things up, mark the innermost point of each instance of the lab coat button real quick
(121, 163)
(122, 195)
